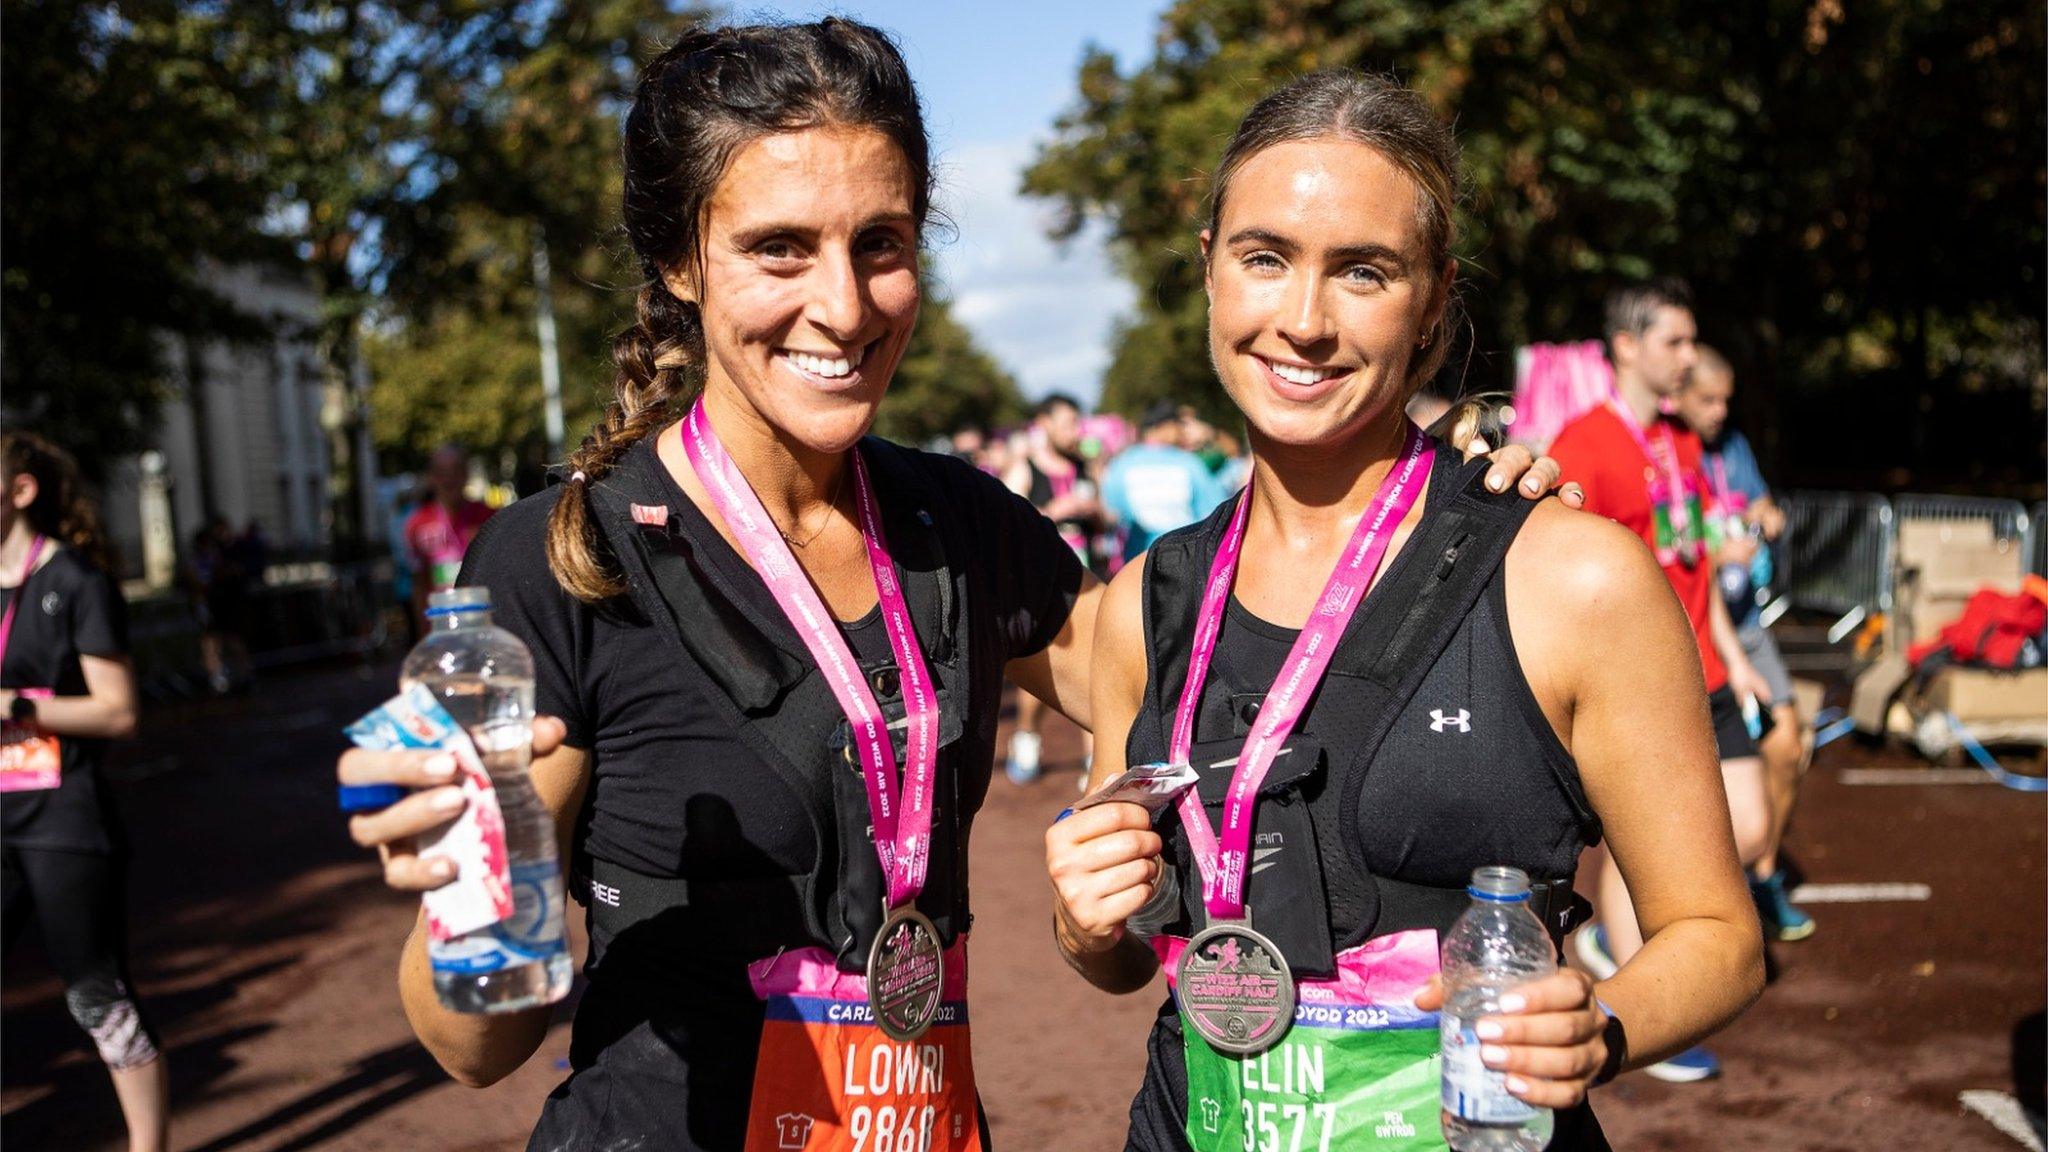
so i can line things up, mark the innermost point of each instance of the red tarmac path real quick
(264, 945)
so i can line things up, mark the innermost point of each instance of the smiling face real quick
(1320, 286)
(809, 286)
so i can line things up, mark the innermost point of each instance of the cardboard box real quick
(1981, 694)
(1941, 564)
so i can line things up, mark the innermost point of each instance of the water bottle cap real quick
(1499, 884)
(459, 600)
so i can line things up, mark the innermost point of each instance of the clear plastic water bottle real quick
(1497, 945)
(483, 676)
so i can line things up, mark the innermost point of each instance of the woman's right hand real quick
(1105, 864)
(437, 798)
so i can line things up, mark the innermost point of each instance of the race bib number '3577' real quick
(1358, 1069)
(828, 1080)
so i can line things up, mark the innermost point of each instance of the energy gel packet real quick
(481, 893)
(1152, 785)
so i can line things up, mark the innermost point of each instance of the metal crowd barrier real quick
(305, 612)
(2008, 518)
(2037, 533)
(1835, 555)
(1839, 549)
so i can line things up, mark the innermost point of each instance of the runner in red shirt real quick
(439, 531)
(1642, 469)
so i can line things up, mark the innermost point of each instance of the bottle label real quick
(1472, 1091)
(533, 931)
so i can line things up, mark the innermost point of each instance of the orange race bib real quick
(30, 759)
(828, 1080)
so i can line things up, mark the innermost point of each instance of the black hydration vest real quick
(1318, 897)
(763, 678)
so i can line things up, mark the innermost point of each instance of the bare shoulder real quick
(1581, 565)
(1120, 622)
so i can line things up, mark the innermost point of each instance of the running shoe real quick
(1782, 919)
(1021, 766)
(1693, 1064)
(1589, 945)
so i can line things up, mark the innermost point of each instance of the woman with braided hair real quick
(769, 647)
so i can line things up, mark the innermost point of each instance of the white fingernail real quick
(1496, 482)
(441, 765)
(449, 801)
(1513, 1002)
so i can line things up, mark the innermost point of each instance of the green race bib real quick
(1358, 1069)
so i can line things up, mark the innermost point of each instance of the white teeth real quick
(828, 367)
(1297, 375)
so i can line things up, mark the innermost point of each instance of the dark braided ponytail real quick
(709, 94)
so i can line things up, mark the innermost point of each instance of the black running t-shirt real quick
(664, 1039)
(66, 609)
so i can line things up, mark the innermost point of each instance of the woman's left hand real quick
(1536, 475)
(1549, 1037)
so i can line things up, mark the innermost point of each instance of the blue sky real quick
(993, 77)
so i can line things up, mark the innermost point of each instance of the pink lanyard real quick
(453, 545)
(35, 549)
(1724, 496)
(1222, 861)
(902, 839)
(1661, 452)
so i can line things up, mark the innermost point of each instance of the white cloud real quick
(1043, 311)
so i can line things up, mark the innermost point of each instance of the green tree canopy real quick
(1855, 191)
(130, 163)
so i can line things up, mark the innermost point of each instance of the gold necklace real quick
(823, 523)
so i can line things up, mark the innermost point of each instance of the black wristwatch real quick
(23, 710)
(1617, 1047)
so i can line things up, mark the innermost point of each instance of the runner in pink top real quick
(439, 531)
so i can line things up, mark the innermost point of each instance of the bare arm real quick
(1104, 861)
(1609, 651)
(106, 711)
(1743, 678)
(1059, 674)
(477, 1050)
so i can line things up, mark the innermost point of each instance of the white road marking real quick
(2005, 1114)
(1859, 893)
(1916, 776)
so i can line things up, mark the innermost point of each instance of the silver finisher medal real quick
(906, 974)
(1234, 988)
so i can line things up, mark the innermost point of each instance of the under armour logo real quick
(1438, 721)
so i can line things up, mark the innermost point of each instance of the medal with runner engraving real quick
(1232, 983)
(906, 976)
(1234, 988)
